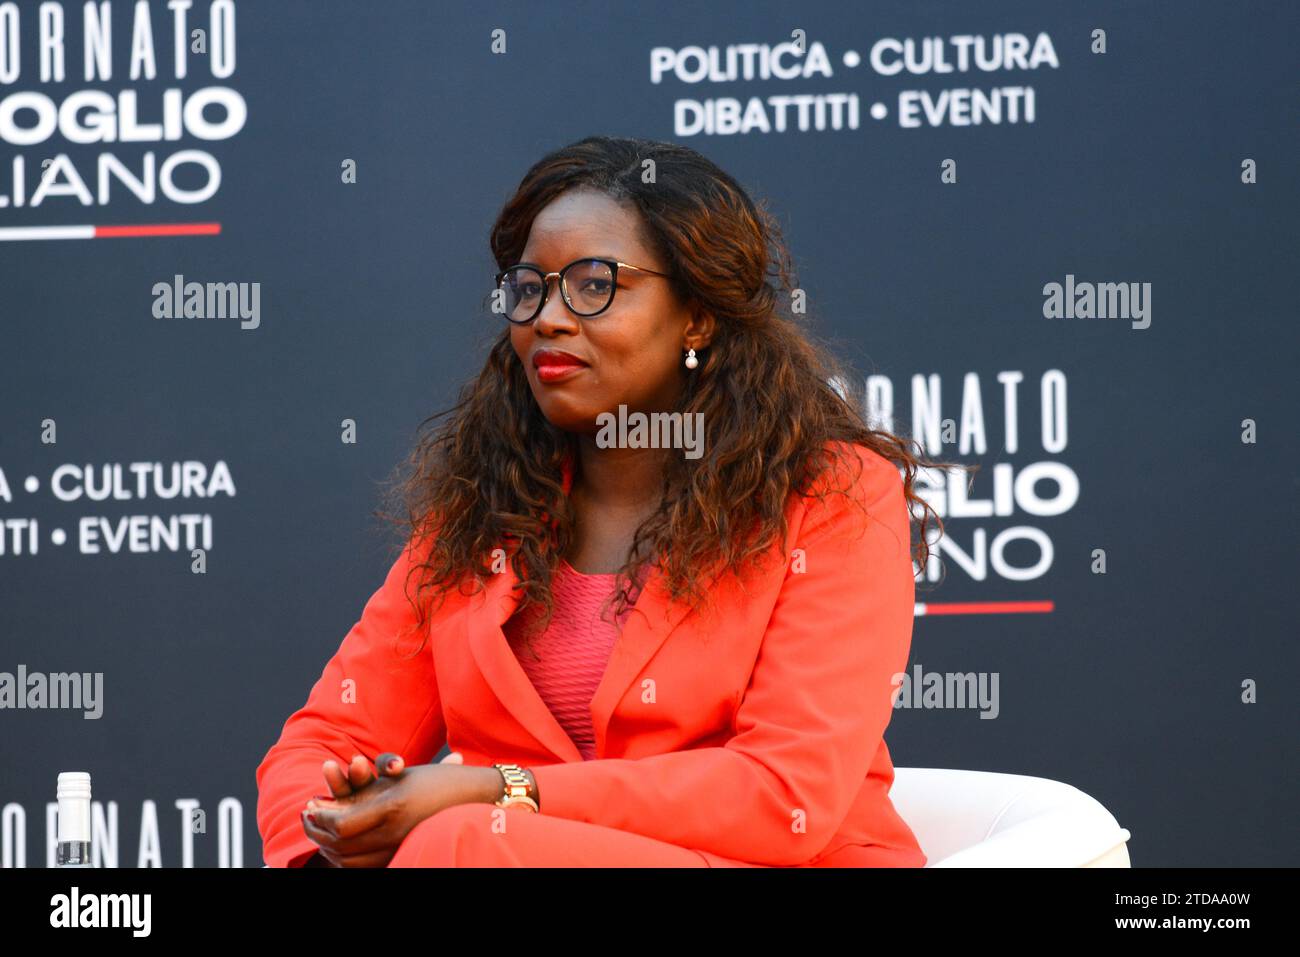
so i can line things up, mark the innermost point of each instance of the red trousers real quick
(483, 835)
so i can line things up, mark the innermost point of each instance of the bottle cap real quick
(74, 806)
(74, 784)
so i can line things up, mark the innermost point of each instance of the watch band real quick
(516, 789)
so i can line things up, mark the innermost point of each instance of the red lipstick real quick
(554, 365)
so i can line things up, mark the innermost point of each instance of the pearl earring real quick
(691, 361)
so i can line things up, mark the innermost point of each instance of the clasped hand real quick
(369, 815)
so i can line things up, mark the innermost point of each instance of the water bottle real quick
(73, 848)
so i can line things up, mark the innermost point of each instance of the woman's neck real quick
(622, 479)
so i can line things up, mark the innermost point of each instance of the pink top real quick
(573, 651)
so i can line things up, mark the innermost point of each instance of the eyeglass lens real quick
(588, 286)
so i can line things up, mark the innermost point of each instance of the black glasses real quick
(586, 285)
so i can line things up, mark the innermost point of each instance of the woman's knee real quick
(463, 835)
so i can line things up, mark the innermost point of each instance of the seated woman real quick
(657, 579)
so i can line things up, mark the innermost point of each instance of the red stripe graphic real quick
(159, 229)
(988, 607)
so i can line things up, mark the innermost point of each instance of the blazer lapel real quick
(652, 620)
(485, 614)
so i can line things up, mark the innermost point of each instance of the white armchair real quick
(986, 819)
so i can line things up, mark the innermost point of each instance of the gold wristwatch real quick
(517, 789)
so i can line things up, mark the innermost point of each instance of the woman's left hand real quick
(365, 828)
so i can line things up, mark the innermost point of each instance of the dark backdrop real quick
(1130, 686)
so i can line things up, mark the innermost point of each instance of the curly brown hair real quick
(492, 472)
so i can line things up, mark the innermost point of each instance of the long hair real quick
(490, 474)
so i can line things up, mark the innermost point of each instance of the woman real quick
(639, 655)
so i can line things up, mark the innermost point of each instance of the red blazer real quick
(753, 733)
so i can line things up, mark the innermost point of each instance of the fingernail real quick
(311, 817)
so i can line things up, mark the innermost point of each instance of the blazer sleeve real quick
(812, 717)
(374, 695)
